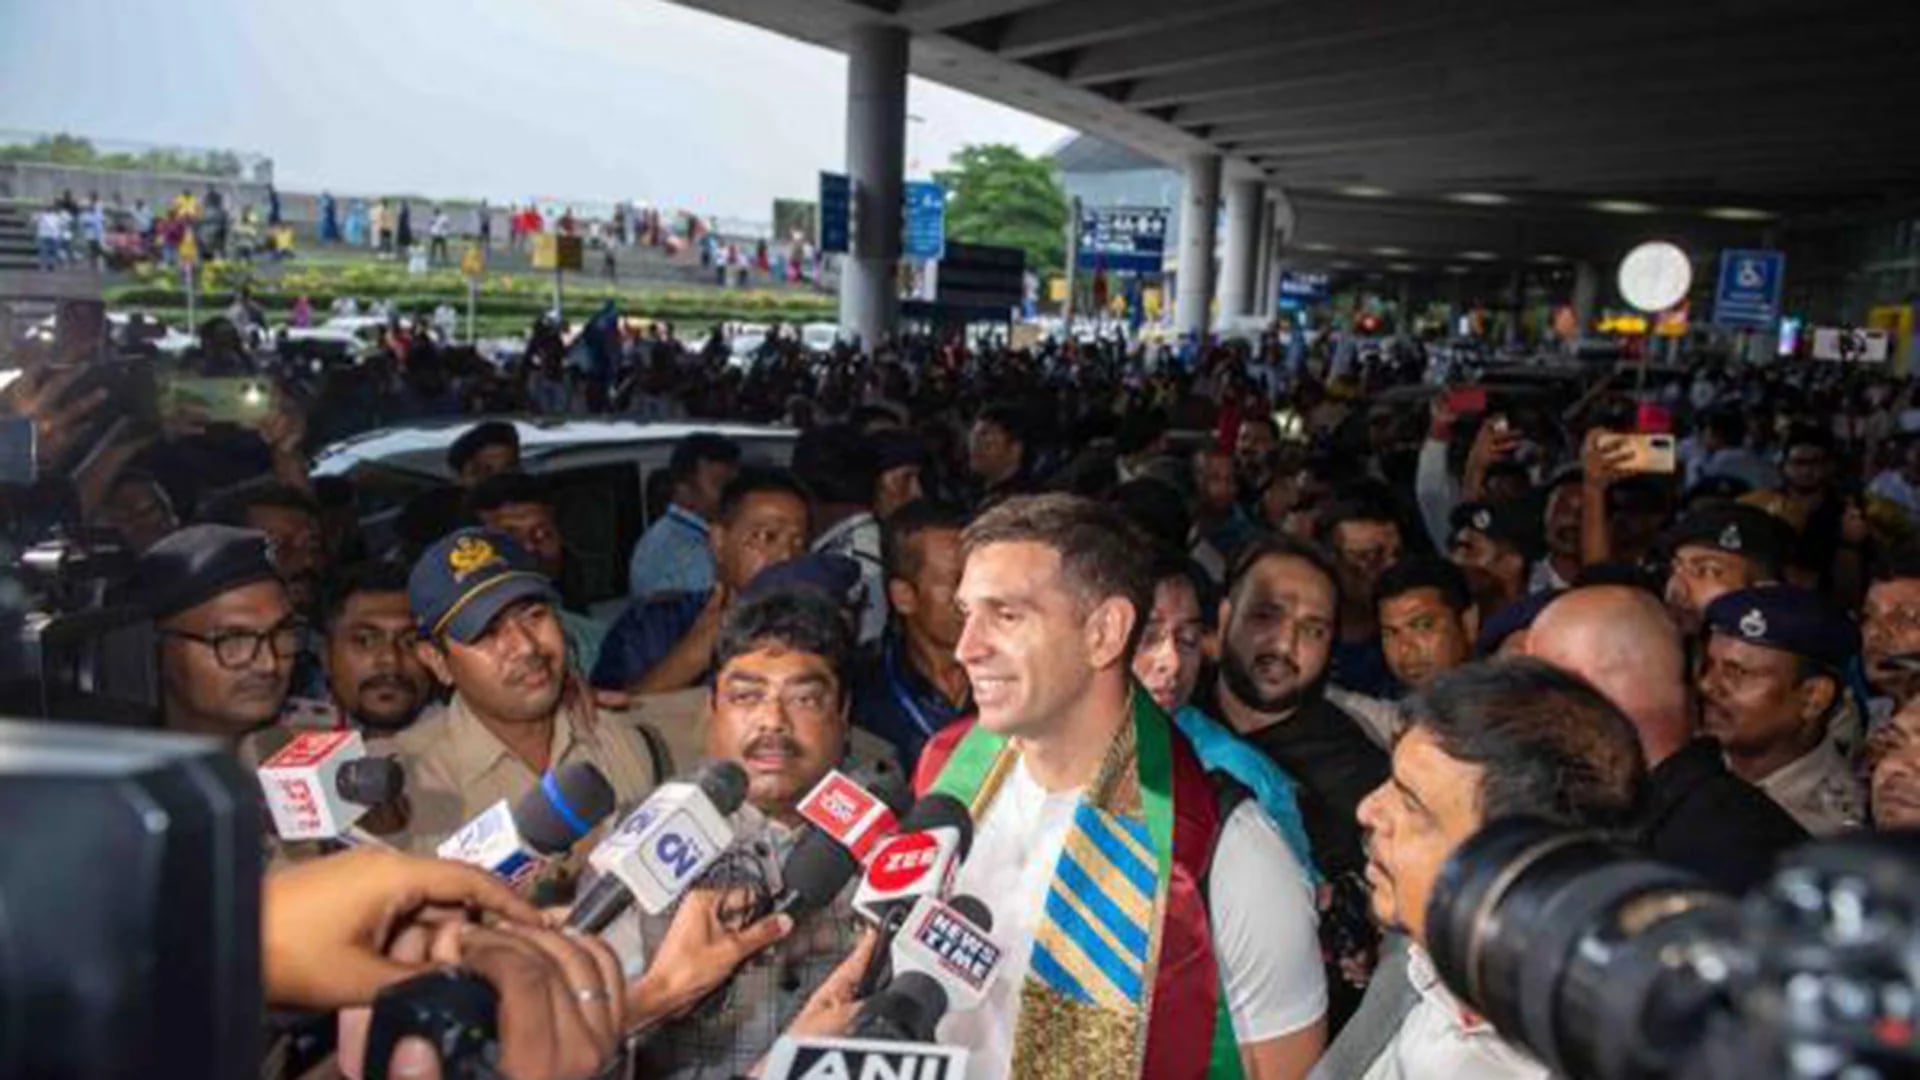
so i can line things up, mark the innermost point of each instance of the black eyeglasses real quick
(237, 649)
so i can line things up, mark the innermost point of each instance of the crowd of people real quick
(1226, 651)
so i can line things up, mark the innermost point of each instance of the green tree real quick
(998, 195)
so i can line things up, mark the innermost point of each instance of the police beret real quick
(190, 566)
(835, 575)
(469, 576)
(1514, 524)
(1787, 618)
(1737, 529)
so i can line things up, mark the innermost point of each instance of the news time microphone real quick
(917, 861)
(320, 783)
(513, 841)
(663, 847)
(857, 816)
(951, 942)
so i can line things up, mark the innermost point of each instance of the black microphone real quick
(370, 781)
(513, 842)
(815, 871)
(908, 1010)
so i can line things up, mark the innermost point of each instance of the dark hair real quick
(803, 620)
(507, 489)
(1283, 546)
(231, 507)
(479, 437)
(1363, 502)
(1549, 745)
(1139, 429)
(759, 480)
(898, 553)
(1425, 572)
(1172, 565)
(1009, 418)
(1808, 435)
(1263, 419)
(1156, 508)
(1902, 561)
(1728, 425)
(700, 446)
(367, 577)
(1102, 554)
(836, 464)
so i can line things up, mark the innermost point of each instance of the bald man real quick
(1695, 814)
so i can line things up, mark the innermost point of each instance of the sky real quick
(592, 100)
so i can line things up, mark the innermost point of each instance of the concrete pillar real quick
(1200, 207)
(1263, 260)
(1245, 201)
(1586, 294)
(876, 161)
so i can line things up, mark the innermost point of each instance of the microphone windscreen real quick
(908, 1010)
(724, 783)
(566, 806)
(941, 810)
(974, 910)
(370, 781)
(893, 790)
(815, 871)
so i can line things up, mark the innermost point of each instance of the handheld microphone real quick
(858, 817)
(950, 942)
(918, 861)
(663, 847)
(815, 871)
(320, 783)
(806, 1059)
(514, 842)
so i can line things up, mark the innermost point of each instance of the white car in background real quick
(819, 337)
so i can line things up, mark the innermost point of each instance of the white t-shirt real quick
(1260, 908)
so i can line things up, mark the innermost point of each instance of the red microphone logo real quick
(903, 861)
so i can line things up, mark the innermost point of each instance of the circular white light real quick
(1655, 276)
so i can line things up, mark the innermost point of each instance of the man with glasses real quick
(227, 631)
(489, 631)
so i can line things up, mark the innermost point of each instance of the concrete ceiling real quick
(1776, 104)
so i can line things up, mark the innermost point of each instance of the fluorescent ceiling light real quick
(1480, 256)
(1623, 206)
(1739, 213)
(1549, 260)
(1364, 191)
(1389, 252)
(1479, 198)
(1403, 268)
(1456, 270)
(1314, 245)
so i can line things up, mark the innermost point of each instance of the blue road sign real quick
(1748, 294)
(923, 221)
(1123, 239)
(1299, 288)
(836, 212)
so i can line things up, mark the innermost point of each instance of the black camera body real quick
(1609, 966)
(68, 651)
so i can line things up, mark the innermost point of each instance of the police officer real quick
(1720, 548)
(490, 632)
(1771, 679)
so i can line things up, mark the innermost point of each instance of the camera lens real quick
(1577, 949)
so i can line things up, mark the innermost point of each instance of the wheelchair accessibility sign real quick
(1748, 294)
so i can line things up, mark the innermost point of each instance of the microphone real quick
(858, 817)
(918, 861)
(907, 1011)
(662, 847)
(815, 871)
(319, 783)
(950, 942)
(514, 842)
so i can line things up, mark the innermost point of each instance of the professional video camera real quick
(1608, 966)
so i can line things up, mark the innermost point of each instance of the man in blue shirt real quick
(664, 641)
(674, 555)
(908, 684)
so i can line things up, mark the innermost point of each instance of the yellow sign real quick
(552, 252)
(1057, 290)
(189, 253)
(1897, 321)
(472, 262)
(1150, 302)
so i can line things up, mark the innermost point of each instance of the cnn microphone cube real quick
(659, 852)
(302, 788)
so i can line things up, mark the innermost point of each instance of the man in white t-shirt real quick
(1487, 741)
(1060, 769)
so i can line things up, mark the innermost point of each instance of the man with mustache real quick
(1428, 620)
(1890, 628)
(780, 708)
(376, 679)
(1278, 623)
(488, 631)
(1508, 738)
